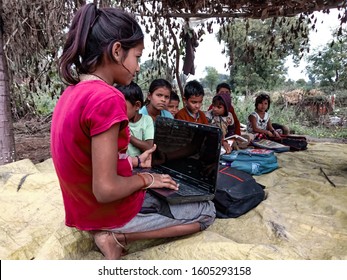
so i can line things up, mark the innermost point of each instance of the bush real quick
(35, 97)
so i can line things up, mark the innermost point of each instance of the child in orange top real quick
(193, 97)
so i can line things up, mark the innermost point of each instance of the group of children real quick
(162, 100)
(94, 126)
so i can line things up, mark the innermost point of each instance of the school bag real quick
(237, 192)
(270, 145)
(294, 142)
(252, 161)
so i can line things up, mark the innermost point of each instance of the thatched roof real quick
(257, 9)
(169, 33)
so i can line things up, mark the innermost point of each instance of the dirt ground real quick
(32, 138)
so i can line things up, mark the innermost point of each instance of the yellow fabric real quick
(304, 216)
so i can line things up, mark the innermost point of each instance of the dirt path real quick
(32, 139)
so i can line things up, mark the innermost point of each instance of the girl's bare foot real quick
(110, 244)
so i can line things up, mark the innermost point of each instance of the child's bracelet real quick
(143, 180)
(138, 161)
(151, 184)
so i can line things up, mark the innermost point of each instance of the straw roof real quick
(257, 9)
(201, 16)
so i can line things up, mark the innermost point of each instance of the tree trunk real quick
(7, 145)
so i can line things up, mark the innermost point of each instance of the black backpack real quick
(237, 192)
(295, 142)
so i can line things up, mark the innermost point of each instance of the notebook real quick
(189, 153)
(271, 145)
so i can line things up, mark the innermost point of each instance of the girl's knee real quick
(208, 216)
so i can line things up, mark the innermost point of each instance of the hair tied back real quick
(97, 14)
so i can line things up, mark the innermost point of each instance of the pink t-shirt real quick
(85, 110)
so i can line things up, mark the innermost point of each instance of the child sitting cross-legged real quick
(220, 116)
(101, 194)
(259, 122)
(141, 126)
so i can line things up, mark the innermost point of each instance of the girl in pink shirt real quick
(90, 136)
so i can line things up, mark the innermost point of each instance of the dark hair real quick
(132, 93)
(159, 83)
(260, 98)
(174, 96)
(223, 85)
(193, 88)
(92, 35)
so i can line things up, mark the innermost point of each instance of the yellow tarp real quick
(304, 216)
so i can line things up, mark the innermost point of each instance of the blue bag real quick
(252, 161)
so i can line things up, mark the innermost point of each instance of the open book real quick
(235, 136)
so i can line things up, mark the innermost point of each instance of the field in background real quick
(311, 115)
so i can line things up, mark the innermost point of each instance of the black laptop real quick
(189, 153)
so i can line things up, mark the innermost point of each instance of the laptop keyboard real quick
(185, 190)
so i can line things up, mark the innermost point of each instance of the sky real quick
(204, 57)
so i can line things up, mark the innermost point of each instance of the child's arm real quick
(274, 133)
(252, 119)
(107, 184)
(142, 145)
(227, 147)
(146, 141)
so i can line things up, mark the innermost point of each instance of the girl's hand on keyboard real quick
(164, 181)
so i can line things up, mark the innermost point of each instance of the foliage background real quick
(35, 30)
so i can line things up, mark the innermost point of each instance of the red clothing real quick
(236, 120)
(184, 115)
(85, 110)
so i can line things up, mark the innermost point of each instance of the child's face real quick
(194, 103)
(218, 110)
(130, 66)
(263, 106)
(159, 99)
(173, 107)
(132, 110)
(224, 90)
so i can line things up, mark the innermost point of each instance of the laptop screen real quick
(188, 151)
